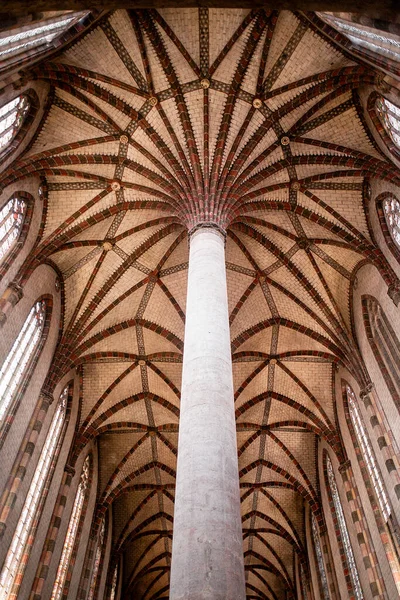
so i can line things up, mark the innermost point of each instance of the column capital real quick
(16, 292)
(394, 292)
(70, 470)
(367, 390)
(344, 466)
(210, 225)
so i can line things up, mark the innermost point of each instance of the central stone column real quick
(207, 549)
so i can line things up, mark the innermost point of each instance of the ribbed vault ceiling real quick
(154, 125)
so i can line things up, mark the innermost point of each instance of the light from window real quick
(72, 531)
(11, 117)
(368, 454)
(114, 583)
(391, 208)
(11, 220)
(17, 360)
(383, 43)
(320, 560)
(390, 116)
(343, 532)
(97, 559)
(37, 36)
(19, 550)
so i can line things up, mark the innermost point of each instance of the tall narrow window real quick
(364, 36)
(391, 209)
(368, 454)
(37, 37)
(12, 116)
(384, 344)
(97, 559)
(114, 581)
(20, 356)
(21, 544)
(72, 532)
(390, 117)
(348, 551)
(11, 220)
(320, 560)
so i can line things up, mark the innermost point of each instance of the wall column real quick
(207, 553)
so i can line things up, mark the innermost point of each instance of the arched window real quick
(368, 454)
(390, 117)
(20, 357)
(11, 221)
(320, 560)
(364, 36)
(391, 209)
(72, 531)
(344, 535)
(97, 559)
(34, 38)
(114, 581)
(12, 116)
(384, 344)
(21, 544)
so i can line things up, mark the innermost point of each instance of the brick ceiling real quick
(158, 120)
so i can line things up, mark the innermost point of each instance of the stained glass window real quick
(72, 531)
(20, 355)
(36, 37)
(97, 558)
(390, 117)
(320, 560)
(391, 208)
(18, 553)
(11, 220)
(114, 583)
(12, 115)
(343, 532)
(381, 42)
(368, 454)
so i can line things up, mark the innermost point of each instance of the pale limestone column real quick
(207, 549)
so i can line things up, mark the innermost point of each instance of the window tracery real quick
(344, 534)
(18, 553)
(391, 209)
(72, 531)
(320, 560)
(36, 37)
(97, 559)
(389, 114)
(12, 116)
(368, 454)
(12, 217)
(20, 355)
(381, 42)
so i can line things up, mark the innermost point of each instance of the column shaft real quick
(207, 553)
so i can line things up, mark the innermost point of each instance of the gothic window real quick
(21, 544)
(97, 559)
(390, 117)
(344, 535)
(391, 209)
(72, 532)
(368, 454)
(35, 38)
(20, 356)
(363, 36)
(11, 221)
(320, 560)
(12, 116)
(114, 580)
(384, 344)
